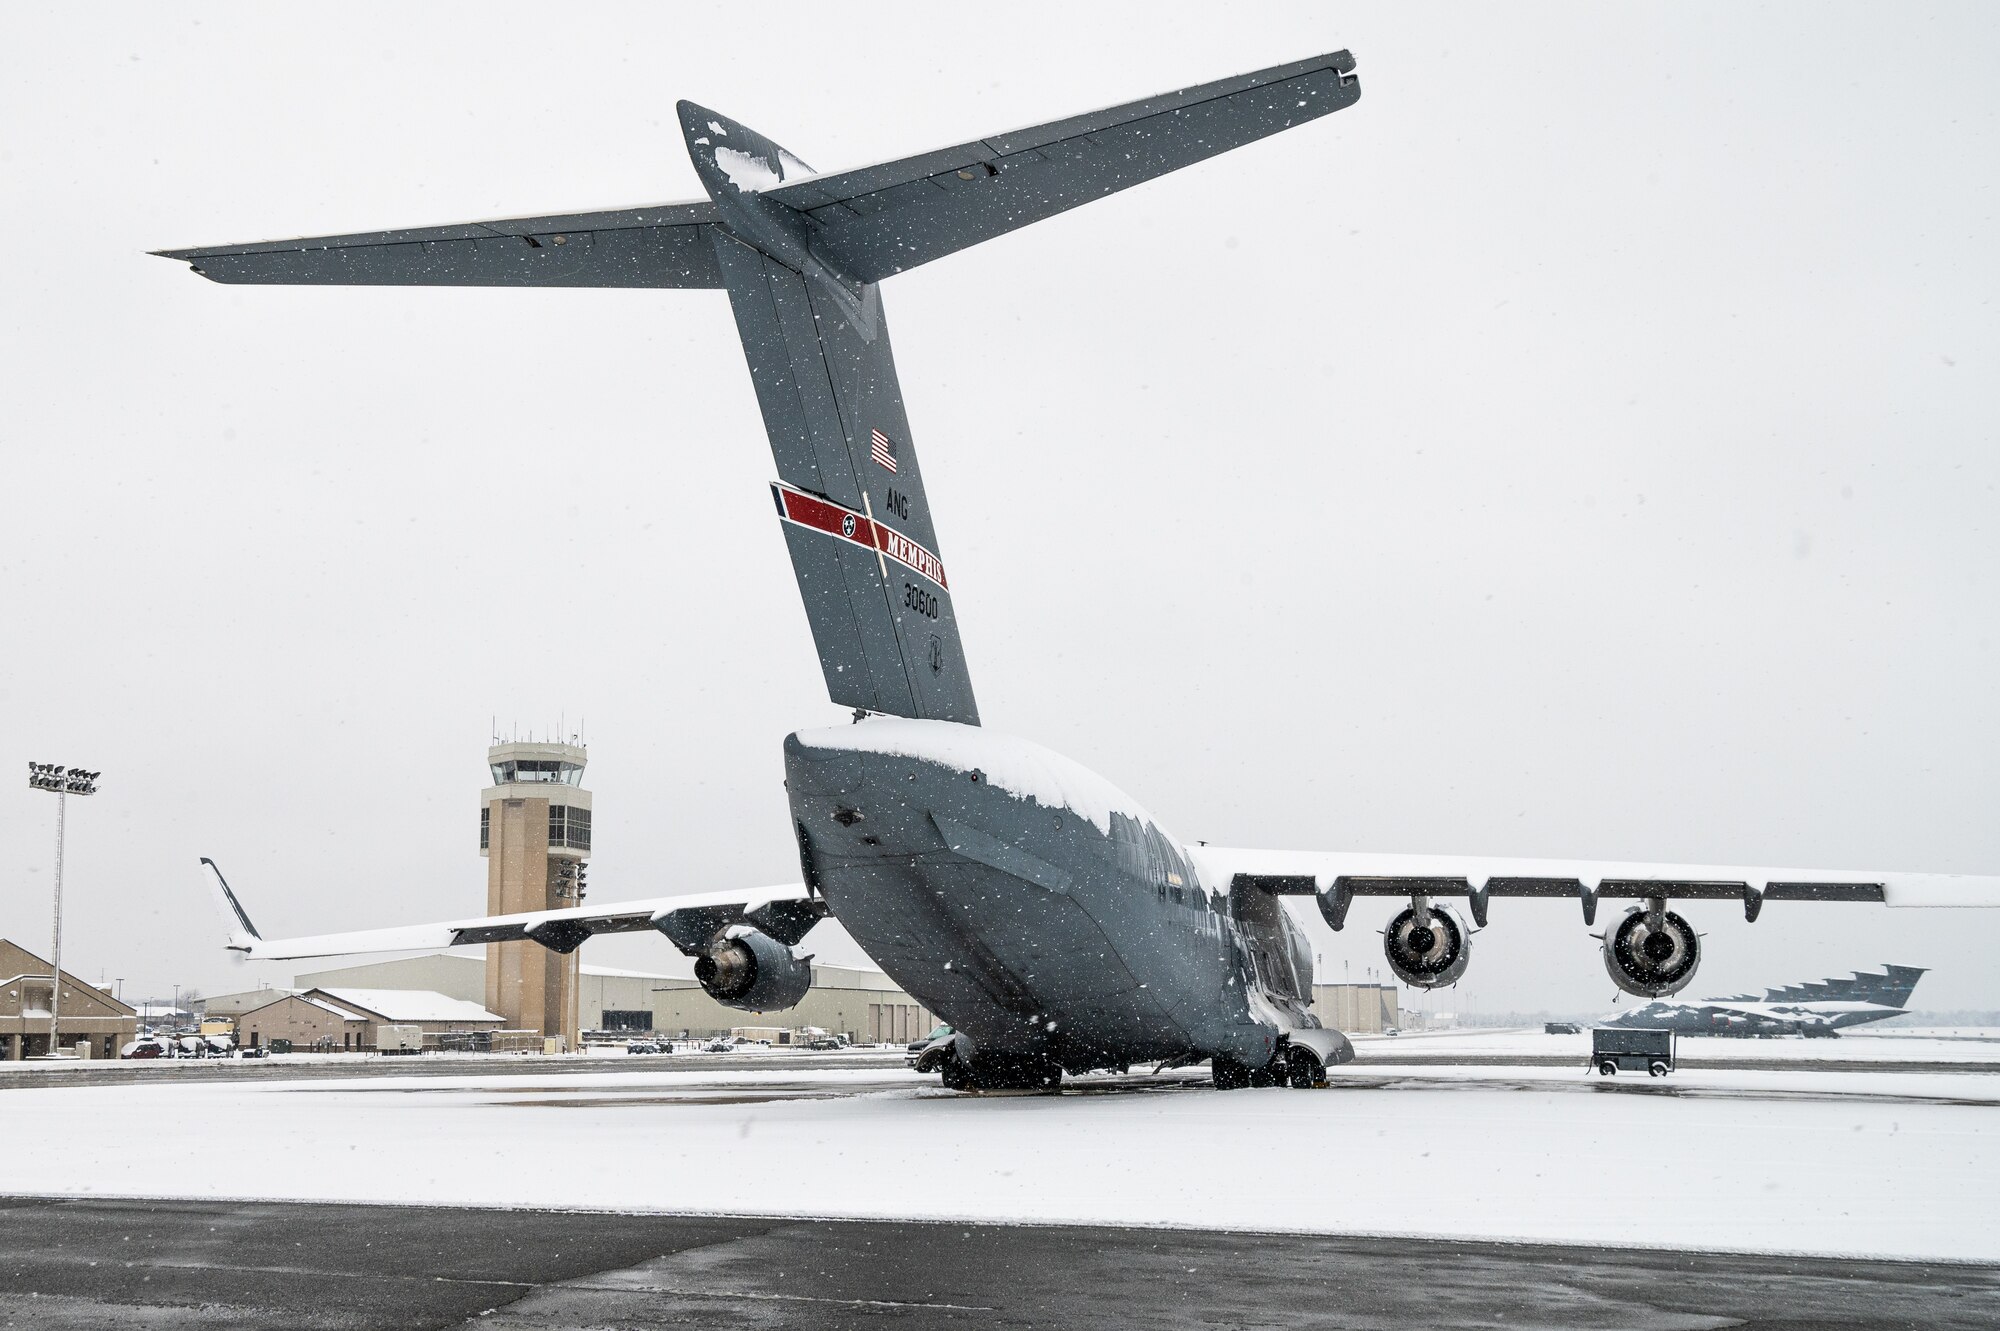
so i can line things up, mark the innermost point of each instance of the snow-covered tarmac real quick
(1888, 1163)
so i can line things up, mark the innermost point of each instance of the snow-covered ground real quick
(1966, 1045)
(1890, 1163)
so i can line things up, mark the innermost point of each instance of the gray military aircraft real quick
(1040, 911)
(1816, 1008)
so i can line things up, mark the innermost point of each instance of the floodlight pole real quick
(64, 782)
(55, 964)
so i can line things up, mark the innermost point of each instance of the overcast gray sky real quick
(1584, 445)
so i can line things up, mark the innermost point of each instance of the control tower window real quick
(537, 769)
(486, 829)
(569, 827)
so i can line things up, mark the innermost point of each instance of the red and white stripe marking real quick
(823, 515)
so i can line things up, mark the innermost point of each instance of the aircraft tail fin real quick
(801, 254)
(235, 921)
(1895, 985)
(1891, 987)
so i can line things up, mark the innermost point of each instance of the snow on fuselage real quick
(1020, 896)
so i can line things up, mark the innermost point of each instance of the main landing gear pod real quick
(1652, 952)
(1426, 945)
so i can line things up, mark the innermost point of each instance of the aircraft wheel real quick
(1607, 1068)
(1228, 1074)
(1303, 1071)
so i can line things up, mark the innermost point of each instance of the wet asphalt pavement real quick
(112, 1265)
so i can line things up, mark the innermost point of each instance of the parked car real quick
(722, 1044)
(917, 1047)
(643, 1047)
(254, 1051)
(826, 1042)
(146, 1047)
(1561, 1028)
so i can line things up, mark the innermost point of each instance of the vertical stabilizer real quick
(850, 496)
(800, 254)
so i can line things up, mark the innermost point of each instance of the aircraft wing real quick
(1340, 876)
(665, 245)
(881, 220)
(786, 913)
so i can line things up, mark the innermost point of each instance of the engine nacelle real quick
(1427, 949)
(749, 970)
(1651, 961)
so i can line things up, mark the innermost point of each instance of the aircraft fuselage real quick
(1031, 905)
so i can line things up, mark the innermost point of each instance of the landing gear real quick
(1002, 1072)
(1298, 1068)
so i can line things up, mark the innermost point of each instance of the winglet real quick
(241, 932)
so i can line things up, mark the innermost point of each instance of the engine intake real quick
(1426, 945)
(751, 971)
(1651, 952)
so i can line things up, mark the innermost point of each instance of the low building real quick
(864, 1005)
(87, 1012)
(1357, 1009)
(349, 1018)
(308, 1023)
(235, 1005)
(438, 1014)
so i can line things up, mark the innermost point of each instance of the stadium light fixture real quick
(62, 782)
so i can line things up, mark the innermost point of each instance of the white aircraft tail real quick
(235, 923)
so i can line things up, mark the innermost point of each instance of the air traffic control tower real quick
(534, 830)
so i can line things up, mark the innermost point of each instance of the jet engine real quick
(1652, 952)
(749, 970)
(1426, 945)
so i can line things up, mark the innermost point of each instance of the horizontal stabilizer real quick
(881, 220)
(666, 245)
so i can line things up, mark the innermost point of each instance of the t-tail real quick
(801, 256)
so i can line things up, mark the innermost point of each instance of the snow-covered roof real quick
(407, 1004)
(280, 995)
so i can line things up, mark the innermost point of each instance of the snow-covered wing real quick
(785, 912)
(881, 220)
(1343, 875)
(665, 245)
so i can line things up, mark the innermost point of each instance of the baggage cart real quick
(1615, 1049)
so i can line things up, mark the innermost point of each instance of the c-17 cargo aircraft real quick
(1817, 1008)
(1035, 907)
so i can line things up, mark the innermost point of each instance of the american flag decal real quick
(882, 448)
